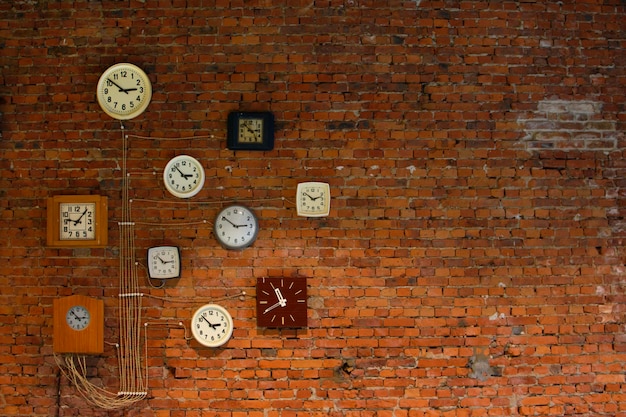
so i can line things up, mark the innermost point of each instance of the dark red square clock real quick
(281, 302)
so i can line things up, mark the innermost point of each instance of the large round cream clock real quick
(124, 91)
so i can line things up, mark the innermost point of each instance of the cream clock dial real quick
(313, 199)
(164, 262)
(212, 325)
(77, 221)
(124, 91)
(183, 176)
(236, 227)
(77, 317)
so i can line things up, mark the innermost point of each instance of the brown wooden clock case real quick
(281, 302)
(78, 325)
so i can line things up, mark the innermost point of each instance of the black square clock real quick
(250, 131)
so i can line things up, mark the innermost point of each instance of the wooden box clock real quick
(77, 221)
(281, 302)
(250, 131)
(78, 325)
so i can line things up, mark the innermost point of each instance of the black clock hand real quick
(122, 90)
(233, 224)
(164, 262)
(313, 198)
(79, 220)
(185, 176)
(211, 325)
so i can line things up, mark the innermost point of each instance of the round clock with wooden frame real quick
(281, 302)
(77, 221)
(78, 325)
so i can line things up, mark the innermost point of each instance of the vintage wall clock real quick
(250, 131)
(77, 221)
(78, 325)
(313, 199)
(212, 325)
(183, 176)
(164, 262)
(124, 91)
(281, 302)
(236, 227)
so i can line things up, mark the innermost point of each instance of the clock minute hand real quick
(312, 198)
(182, 174)
(79, 220)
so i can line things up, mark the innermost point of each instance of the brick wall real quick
(472, 263)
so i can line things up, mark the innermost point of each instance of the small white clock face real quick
(124, 91)
(77, 221)
(236, 227)
(250, 130)
(212, 325)
(77, 317)
(313, 199)
(183, 176)
(164, 262)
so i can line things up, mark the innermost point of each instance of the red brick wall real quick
(473, 260)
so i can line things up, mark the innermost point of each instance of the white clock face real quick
(78, 221)
(313, 199)
(236, 227)
(124, 91)
(183, 176)
(164, 262)
(212, 325)
(77, 317)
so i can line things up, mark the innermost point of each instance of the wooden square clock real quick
(78, 325)
(77, 221)
(250, 131)
(281, 302)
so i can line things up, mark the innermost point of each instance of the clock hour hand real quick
(282, 301)
(312, 198)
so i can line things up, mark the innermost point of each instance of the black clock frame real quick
(232, 138)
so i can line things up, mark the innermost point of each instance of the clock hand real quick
(233, 224)
(164, 262)
(211, 325)
(272, 307)
(79, 220)
(313, 198)
(182, 174)
(282, 301)
(122, 90)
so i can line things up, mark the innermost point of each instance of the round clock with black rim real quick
(183, 176)
(124, 91)
(212, 325)
(236, 227)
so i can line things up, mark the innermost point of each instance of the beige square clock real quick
(77, 221)
(313, 199)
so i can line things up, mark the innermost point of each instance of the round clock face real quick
(77, 221)
(77, 317)
(164, 262)
(124, 91)
(212, 325)
(236, 227)
(313, 199)
(183, 176)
